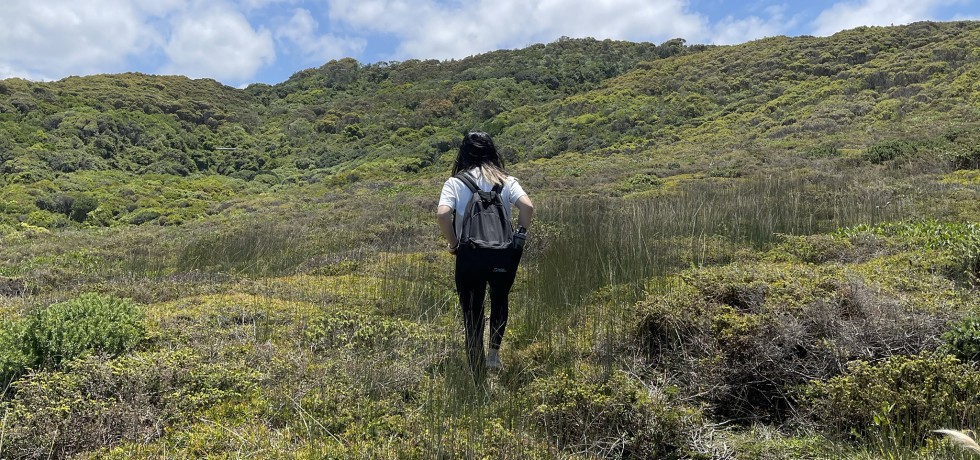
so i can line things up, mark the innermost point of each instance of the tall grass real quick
(588, 261)
(608, 242)
(591, 258)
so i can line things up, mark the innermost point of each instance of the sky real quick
(239, 42)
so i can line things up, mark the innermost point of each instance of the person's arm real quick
(526, 211)
(444, 215)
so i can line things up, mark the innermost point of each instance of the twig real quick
(3, 430)
(306, 415)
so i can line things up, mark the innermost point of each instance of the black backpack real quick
(485, 222)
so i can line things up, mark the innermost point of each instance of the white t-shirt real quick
(457, 195)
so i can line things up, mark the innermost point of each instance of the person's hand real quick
(452, 248)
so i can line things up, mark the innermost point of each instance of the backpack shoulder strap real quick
(467, 181)
(471, 184)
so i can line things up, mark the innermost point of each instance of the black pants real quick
(475, 272)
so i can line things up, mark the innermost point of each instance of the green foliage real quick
(679, 250)
(763, 442)
(50, 336)
(822, 151)
(957, 243)
(81, 206)
(815, 249)
(963, 339)
(898, 400)
(614, 416)
(90, 323)
(97, 401)
(964, 149)
(354, 330)
(258, 247)
(746, 334)
(640, 182)
(889, 150)
(13, 358)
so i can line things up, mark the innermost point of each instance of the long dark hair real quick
(477, 150)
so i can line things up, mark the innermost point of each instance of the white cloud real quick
(215, 41)
(731, 30)
(848, 15)
(259, 4)
(9, 71)
(158, 7)
(431, 30)
(301, 30)
(235, 40)
(61, 37)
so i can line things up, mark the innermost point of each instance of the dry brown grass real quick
(961, 439)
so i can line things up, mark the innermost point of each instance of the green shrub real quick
(81, 207)
(897, 401)
(612, 417)
(767, 442)
(143, 216)
(964, 153)
(957, 244)
(13, 360)
(641, 182)
(90, 323)
(965, 157)
(889, 150)
(744, 336)
(356, 330)
(963, 339)
(822, 151)
(462, 437)
(815, 249)
(97, 401)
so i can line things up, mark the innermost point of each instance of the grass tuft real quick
(961, 439)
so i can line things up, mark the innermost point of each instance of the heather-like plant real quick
(897, 401)
(963, 339)
(90, 323)
(615, 417)
(13, 360)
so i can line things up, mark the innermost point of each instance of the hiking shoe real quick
(493, 360)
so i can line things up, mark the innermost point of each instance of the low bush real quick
(87, 324)
(745, 336)
(955, 246)
(963, 339)
(362, 331)
(13, 359)
(97, 401)
(48, 337)
(964, 153)
(815, 249)
(408, 350)
(898, 400)
(822, 151)
(452, 437)
(612, 418)
(889, 150)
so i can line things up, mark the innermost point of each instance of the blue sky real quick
(238, 42)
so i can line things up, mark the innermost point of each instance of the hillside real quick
(770, 97)
(766, 250)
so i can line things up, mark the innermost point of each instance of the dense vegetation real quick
(768, 250)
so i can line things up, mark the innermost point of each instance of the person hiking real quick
(485, 256)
